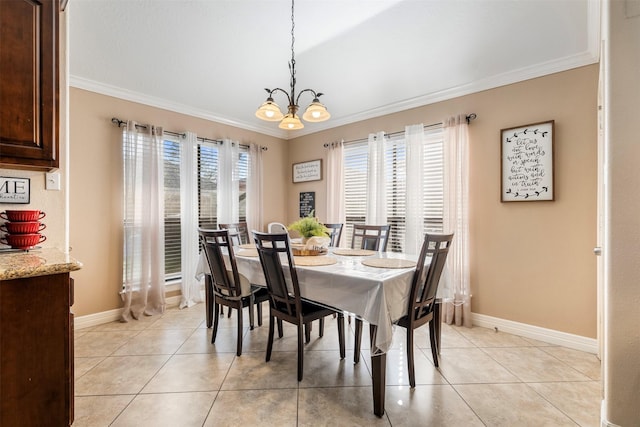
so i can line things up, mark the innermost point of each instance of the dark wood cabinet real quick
(36, 351)
(29, 76)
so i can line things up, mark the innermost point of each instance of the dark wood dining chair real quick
(285, 302)
(335, 232)
(374, 238)
(228, 287)
(371, 237)
(238, 231)
(422, 297)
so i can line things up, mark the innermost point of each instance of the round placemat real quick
(247, 252)
(314, 261)
(388, 263)
(247, 246)
(353, 252)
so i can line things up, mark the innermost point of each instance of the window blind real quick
(207, 162)
(356, 173)
(172, 229)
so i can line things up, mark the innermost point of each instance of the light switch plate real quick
(52, 181)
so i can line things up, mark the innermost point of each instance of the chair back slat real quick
(335, 232)
(424, 286)
(270, 248)
(371, 237)
(238, 231)
(214, 243)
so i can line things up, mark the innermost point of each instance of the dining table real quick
(374, 286)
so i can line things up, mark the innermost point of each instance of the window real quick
(356, 177)
(207, 161)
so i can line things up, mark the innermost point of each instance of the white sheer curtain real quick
(228, 182)
(255, 218)
(414, 219)
(335, 184)
(376, 188)
(143, 275)
(189, 221)
(457, 307)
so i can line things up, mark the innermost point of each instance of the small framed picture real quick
(15, 190)
(526, 161)
(307, 171)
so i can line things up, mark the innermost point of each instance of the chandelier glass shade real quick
(270, 111)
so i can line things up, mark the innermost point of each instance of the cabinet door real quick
(29, 84)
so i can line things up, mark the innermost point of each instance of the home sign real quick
(14, 190)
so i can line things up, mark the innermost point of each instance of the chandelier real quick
(270, 111)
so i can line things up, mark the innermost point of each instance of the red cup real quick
(30, 227)
(22, 215)
(22, 241)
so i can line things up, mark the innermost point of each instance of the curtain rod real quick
(469, 118)
(119, 122)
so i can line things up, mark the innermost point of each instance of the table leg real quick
(378, 368)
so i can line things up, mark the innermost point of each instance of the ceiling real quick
(213, 58)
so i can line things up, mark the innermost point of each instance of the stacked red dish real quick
(22, 228)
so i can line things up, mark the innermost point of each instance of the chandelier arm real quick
(289, 99)
(315, 94)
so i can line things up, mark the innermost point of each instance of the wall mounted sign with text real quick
(307, 171)
(14, 190)
(307, 203)
(527, 163)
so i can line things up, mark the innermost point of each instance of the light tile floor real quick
(163, 371)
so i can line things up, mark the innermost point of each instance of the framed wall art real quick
(15, 190)
(307, 171)
(526, 162)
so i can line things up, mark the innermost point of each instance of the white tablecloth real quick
(378, 295)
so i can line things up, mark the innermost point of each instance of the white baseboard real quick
(95, 319)
(603, 416)
(550, 336)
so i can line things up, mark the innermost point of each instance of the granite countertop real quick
(36, 262)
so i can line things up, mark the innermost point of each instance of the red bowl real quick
(22, 241)
(22, 216)
(30, 227)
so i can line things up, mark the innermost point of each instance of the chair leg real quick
(259, 308)
(300, 353)
(229, 314)
(251, 317)
(209, 297)
(270, 340)
(437, 317)
(434, 342)
(280, 333)
(307, 332)
(216, 307)
(321, 328)
(341, 335)
(410, 363)
(358, 341)
(239, 343)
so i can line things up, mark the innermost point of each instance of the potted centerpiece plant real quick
(308, 227)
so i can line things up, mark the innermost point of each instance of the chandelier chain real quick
(292, 64)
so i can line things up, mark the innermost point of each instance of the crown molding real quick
(588, 57)
(140, 98)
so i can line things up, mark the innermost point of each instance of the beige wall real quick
(531, 262)
(96, 182)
